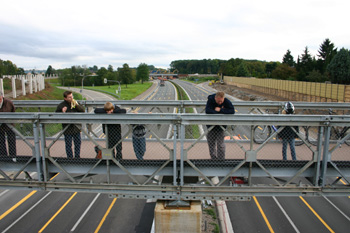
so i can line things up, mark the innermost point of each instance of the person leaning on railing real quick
(113, 131)
(7, 105)
(70, 105)
(217, 104)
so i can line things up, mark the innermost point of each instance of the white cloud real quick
(63, 33)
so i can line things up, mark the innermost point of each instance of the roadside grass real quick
(126, 93)
(211, 212)
(191, 131)
(198, 80)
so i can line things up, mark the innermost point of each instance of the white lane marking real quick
(85, 212)
(337, 208)
(285, 214)
(4, 192)
(23, 215)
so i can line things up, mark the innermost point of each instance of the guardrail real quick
(178, 165)
(182, 104)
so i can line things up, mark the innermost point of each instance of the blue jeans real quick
(291, 142)
(68, 138)
(139, 145)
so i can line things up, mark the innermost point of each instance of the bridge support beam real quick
(178, 219)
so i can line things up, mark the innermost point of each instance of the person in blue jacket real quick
(217, 104)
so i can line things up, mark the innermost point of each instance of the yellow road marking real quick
(54, 216)
(263, 214)
(17, 204)
(314, 212)
(105, 216)
(20, 202)
(54, 176)
(344, 183)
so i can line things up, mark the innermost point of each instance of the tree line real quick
(94, 76)
(8, 68)
(330, 65)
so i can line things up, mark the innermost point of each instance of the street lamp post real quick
(82, 83)
(119, 88)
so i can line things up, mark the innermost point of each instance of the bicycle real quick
(336, 134)
(262, 133)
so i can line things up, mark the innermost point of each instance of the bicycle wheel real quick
(346, 132)
(261, 133)
(302, 132)
(312, 135)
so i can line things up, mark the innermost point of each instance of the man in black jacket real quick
(217, 104)
(70, 105)
(112, 131)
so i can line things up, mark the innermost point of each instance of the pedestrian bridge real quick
(176, 164)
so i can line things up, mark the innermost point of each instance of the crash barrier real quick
(170, 157)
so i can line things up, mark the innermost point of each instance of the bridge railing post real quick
(316, 179)
(37, 150)
(326, 155)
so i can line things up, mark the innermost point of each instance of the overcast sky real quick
(63, 33)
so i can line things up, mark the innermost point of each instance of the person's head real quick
(108, 107)
(289, 108)
(68, 96)
(219, 97)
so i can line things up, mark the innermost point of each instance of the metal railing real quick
(178, 165)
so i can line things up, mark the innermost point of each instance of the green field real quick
(127, 93)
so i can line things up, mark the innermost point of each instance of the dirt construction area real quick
(246, 94)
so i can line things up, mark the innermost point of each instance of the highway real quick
(281, 214)
(26, 211)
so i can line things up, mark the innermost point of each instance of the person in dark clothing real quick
(287, 134)
(7, 105)
(217, 104)
(70, 105)
(112, 131)
(139, 141)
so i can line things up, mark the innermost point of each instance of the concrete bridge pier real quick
(178, 219)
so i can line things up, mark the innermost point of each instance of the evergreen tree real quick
(288, 59)
(339, 67)
(49, 71)
(326, 53)
(305, 65)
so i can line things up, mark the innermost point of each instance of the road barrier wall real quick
(295, 90)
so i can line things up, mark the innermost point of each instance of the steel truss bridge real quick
(177, 165)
